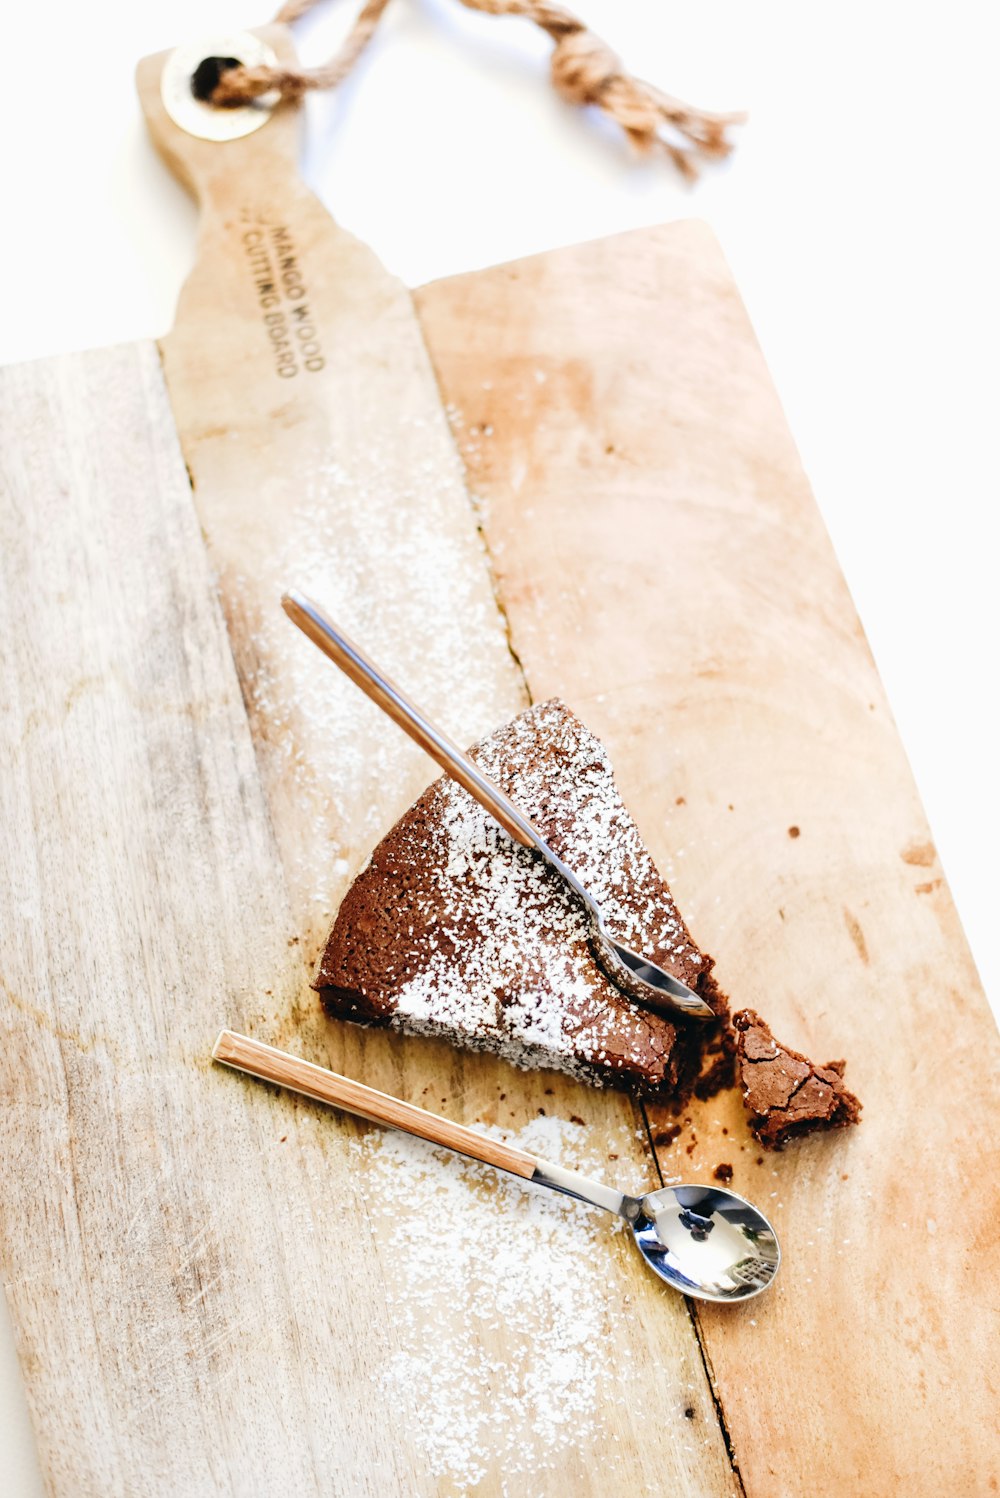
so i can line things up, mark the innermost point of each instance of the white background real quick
(858, 214)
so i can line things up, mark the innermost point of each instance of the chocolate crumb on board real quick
(784, 1093)
(723, 1172)
(454, 930)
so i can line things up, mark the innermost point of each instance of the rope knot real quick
(583, 67)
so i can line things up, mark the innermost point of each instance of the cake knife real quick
(638, 976)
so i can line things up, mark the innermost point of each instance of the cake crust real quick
(784, 1093)
(455, 930)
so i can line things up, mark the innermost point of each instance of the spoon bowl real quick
(638, 976)
(706, 1242)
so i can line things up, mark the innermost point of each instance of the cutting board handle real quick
(214, 170)
(277, 294)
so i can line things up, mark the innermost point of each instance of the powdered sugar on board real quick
(401, 567)
(502, 1299)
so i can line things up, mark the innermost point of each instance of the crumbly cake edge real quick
(846, 1113)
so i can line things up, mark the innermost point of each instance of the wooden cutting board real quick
(219, 1289)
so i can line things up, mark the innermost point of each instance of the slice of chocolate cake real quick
(455, 930)
(784, 1093)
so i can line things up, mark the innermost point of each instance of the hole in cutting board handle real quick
(207, 74)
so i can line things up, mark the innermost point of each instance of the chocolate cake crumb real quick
(454, 930)
(784, 1093)
(575, 1118)
(665, 1137)
(718, 1066)
(723, 1172)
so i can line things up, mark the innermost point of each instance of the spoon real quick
(634, 974)
(704, 1241)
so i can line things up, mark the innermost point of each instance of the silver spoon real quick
(704, 1241)
(635, 975)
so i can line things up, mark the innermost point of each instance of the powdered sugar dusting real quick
(497, 954)
(389, 547)
(479, 1254)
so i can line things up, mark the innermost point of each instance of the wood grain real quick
(149, 1199)
(340, 480)
(268, 1064)
(346, 482)
(163, 1198)
(144, 900)
(665, 570)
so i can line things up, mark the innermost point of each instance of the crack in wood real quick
(716, 1396)
(641, 1106)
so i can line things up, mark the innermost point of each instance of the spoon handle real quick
(352, 660)
(323, 1086)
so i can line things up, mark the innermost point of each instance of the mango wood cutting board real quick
(220, 1289)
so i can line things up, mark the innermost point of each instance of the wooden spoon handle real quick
(351, 659)
(272, 1065)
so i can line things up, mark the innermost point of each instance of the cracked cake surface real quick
(455, 930)
(784, 1093)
